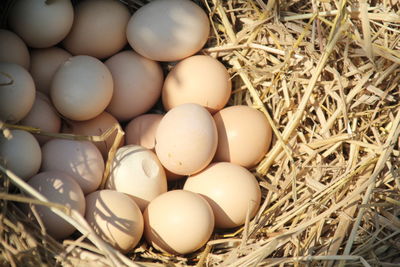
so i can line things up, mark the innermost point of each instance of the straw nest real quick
(326, 75)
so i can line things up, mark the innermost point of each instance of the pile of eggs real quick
(92, 66)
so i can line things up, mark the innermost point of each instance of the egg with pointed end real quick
(168, 30)
(242, 128)
(231, 190)
(185, 83)
(115, 217)
(178, 222)
(61, 188)
(186, 139)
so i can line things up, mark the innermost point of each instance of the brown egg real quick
(168, 30)
(17, 93)
(186, 139)
(80, 159)
(244, 135)
(178, 222)
(41, 23)
(137, 84)
(137, 172)
(199, 79)
(43, 116)
(231, 190)
(99, 28)
(96, 126)
(44, 64)
(57, 187)
(13, 49)
(81, 88)
(21, 153)
(115, 217)
(142, 130)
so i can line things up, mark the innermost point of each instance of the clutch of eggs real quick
(96, 67)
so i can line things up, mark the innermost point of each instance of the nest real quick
(326, 75)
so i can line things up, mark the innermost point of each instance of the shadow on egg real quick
(123, 225)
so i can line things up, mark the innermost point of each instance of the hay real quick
(326, 75)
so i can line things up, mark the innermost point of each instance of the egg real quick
(80, 159)
(178, 222)
(81, 88)
(17, 93)
(21, 153)
(41, 23)
(57, 187)
(13, 49)
(43, 116)
(44, 64)
(231, 190)
(137, 172)
(115, 218)
(168, 30)
(99, 28)
(242, 128)
(137, 84)
(142, 130)
(198, 79)
(186, 139)
(96, 127)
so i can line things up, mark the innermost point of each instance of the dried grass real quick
(326, 75)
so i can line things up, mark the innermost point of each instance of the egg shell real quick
(115, 217)
(82, 88)
(80, 159)
(231, 190)
(242, 128)
(137, 84)
(178, 222)
(57, 187)
(142, 130)
(21, 153)
(198, 79)
(17, 93)
(44, 116)
(99, 28)
(186, 139)
(13, 49)
(44, 64)
(168, 30)
(96, 127)
(137, 172)
(41, 24)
